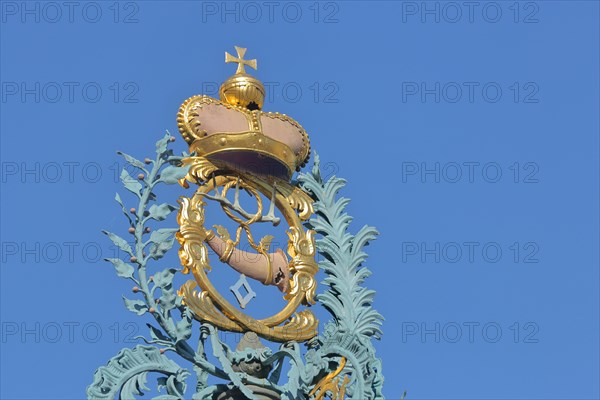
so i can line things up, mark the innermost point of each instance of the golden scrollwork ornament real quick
(238, 147)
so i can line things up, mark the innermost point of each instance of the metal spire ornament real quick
(236, 148)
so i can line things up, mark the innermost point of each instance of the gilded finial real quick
(241, 89)
(241, 51)
(235, 133)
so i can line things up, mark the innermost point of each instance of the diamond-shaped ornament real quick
(235, 289)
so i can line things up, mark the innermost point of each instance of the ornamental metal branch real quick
(112, 379)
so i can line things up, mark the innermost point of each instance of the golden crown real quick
(234, 133)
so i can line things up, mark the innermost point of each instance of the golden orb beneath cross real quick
(241, 89)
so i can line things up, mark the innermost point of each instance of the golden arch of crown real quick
(235, 133)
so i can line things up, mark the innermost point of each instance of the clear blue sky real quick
(468, 134)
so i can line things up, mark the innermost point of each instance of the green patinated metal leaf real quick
(125, 374)
(160, 212)
(136, 306)
(135, 386)
(157, 334)
(130, 183)
(161, 235)
(171, 175)
(118, 199)
(133, 161)
(158, 250)
(161, 145)
(123, 269)
(119, 242)
(164, 279)
(173, 385)
(220, 351)
(184, 327)
(168, 299)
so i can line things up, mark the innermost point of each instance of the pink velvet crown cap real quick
(248, 140)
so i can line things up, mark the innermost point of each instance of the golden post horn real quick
(270, 269)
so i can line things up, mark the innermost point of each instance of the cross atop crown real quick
(241, 51)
